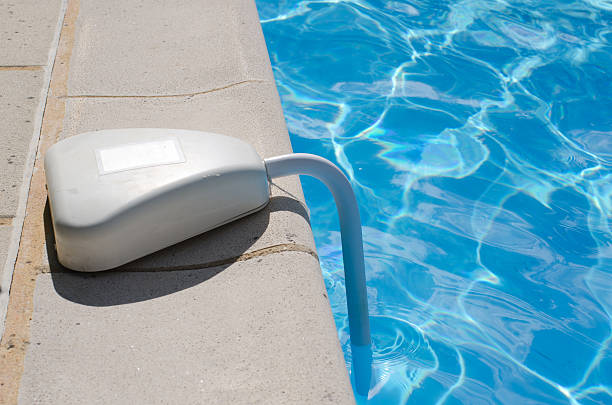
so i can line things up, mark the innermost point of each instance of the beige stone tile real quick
(159, 47)
(27, 29)
(19, 97)
(258, 331)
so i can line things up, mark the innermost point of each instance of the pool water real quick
(478, 137)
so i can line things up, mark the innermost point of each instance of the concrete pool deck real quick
(237, 315)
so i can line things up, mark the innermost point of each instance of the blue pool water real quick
(478, 137)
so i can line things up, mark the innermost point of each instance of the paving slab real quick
(149, 47)
(248, 111)
(19, 97)
(220, 335)
(27, 28)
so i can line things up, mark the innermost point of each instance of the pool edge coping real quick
(30, 260)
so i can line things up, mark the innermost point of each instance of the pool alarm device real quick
(118, 195)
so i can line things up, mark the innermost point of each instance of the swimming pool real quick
(478, 137)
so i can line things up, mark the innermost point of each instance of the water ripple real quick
(478, 137)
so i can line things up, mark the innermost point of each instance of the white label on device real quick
(138, 155)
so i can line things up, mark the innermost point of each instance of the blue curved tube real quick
(352, 249)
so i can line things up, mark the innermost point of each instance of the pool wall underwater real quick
(478, 138)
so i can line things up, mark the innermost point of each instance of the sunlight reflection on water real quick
(478, 137)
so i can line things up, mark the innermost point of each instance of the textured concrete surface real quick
(19, 96)
(238, 315)
(154, 48)
(20, 93)
(217, 335)
(26, 31)
(247, 110)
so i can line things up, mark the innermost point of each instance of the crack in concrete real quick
(20, 67)
(197, 93)
(6, 221)
(286, 247)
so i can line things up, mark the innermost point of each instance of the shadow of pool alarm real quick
(85, 287)
(116, 196)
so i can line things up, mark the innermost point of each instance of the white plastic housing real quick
(118, 195)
